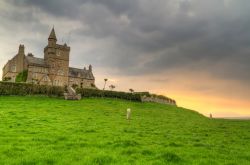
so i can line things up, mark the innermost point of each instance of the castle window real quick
(58, 53)
(60, 72)
(13, 68)
(34, 76)
(45, 78)
(57, 82)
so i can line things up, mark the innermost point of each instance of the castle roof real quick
(52, 34)
(83, 73)
(35, 61)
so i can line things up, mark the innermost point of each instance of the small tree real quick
(112, 87)
(131, 90)
(105, 81)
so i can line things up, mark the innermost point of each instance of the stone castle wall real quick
(81, 82)
(158, 100)
(15, 65)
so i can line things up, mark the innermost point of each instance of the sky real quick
(194, 51)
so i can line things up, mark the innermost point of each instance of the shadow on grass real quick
(125, 143)
(102, 160)
(168, 157)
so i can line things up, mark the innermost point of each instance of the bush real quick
(163, 98)
(10, 88)
(6, 78)
(22, 76)
(143, 93)
(86, 92)
(22, 89)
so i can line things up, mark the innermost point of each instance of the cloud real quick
(157, 35)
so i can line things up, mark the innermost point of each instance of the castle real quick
(53, 69)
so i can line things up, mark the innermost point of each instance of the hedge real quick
(110, 94)
(10, 88)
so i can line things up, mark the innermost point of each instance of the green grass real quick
(41, 130)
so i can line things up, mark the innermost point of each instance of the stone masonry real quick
(53, 69)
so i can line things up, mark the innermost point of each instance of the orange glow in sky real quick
(192, 90)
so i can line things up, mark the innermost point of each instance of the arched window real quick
(60, 72)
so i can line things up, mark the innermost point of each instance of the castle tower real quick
(57, 58)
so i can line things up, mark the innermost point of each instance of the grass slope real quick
(41, 130)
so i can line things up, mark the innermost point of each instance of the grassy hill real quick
(41, 130)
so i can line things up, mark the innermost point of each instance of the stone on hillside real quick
(128, 114)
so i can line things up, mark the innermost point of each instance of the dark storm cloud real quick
(153, 36)
(55, 7)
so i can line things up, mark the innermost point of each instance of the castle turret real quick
(52, 38)
(50, 49)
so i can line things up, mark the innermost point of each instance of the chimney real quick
(90, 68)
(30, 55)
(21, 49)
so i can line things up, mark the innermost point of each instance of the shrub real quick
(87, 92)
(6, 78)
(22, 76)
(163, 98)
(143, 93)
(10, 88)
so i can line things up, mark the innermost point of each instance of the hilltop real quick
(42, 130)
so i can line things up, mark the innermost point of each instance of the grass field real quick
(41, 130)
